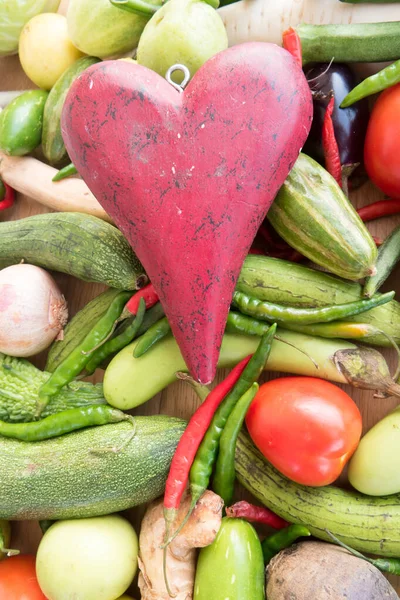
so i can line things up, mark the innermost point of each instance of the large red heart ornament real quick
(188, 177)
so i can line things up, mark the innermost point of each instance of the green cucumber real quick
(21, 123)
(232, 566)
(78, 328)
(79, 475)
(73, 243)
(366, 523)
(283, 282)
(52, 141)
(314, 216)
(350, 42)
(20, 382)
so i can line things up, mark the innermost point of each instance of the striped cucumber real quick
(314, 216)
(366, 523)
(79, 475)
(52, 140)
(283, 282)
(20, 382)
(74, 243)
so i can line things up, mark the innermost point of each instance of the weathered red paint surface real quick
(189, 177)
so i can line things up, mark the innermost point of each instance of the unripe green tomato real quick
(87, 559)
(186, 32)
(374, 468)
(21, 123)
(232, 566)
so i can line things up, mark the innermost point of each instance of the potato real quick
(319, 571)
(45, 51)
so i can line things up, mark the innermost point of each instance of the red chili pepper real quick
(292, 43)
(148, 294)
(255, 514)
(7, 196)
(382, 208)
(330, 146)
(377, 240)
(190, 441)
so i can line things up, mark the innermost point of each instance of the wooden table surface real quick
(178, 399)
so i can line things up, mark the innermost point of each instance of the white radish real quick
(32, 310)
(266, 20)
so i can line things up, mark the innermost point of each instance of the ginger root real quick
(199, 531)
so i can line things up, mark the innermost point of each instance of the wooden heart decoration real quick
(188, 177)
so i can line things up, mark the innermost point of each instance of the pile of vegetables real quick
(207, 190)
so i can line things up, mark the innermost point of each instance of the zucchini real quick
(20, 382)
(78, 475)
(366, 523)
(73, 243)
(314, 216)
(78, 328)
(52, 140)
(283, 282)
(21, 123)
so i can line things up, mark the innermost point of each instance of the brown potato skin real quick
(320, 571)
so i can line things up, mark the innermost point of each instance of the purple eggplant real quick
(350, 123)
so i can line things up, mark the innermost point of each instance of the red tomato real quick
(381, 150)
(18, 579)
(306, 427)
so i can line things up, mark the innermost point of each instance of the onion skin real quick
(33, 311)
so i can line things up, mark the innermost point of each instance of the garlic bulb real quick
(32, 310)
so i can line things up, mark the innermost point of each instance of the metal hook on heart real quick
(186, 76)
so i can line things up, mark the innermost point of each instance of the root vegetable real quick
(200, 531)
(318, 571)
(32, 310)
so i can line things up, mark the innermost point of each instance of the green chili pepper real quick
(63, 422)
(305, 316)
(388, 565)
(76, 361)
(282, 539)
(202, 466)
(372, 85)
(388, 257)
(65, 172)
(116, 344)
(155, 333)
(224, 478)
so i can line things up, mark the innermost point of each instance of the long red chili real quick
(149, 295)
(292, 43)
(330, 146)
(255, 514)
(190, 441)
(382, 208)
(7, 196)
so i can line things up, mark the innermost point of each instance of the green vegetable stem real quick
(65, 172)
(282, 539)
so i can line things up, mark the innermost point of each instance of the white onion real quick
(32, 310)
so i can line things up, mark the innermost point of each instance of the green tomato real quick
(87, 559)
(13, 16)
(21, 123)
(100, 29)
(374, 468)
(187, 32)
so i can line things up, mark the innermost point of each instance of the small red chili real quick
(149, 295)
(7, 196)
(330, 146)
(292, 43)
(255, 514)
(382, 208)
